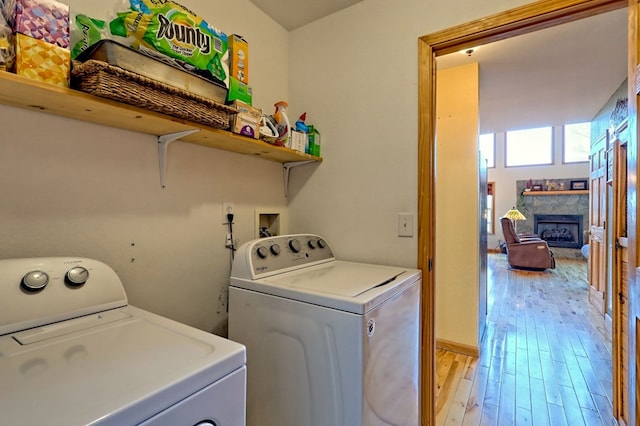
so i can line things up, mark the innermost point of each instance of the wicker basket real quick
(101, 79)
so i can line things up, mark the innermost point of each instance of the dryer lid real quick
(120, 372)
(344, 279)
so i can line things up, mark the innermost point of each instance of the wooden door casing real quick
(620, 278)
(521, 20)
(597, 224)
(632, 384)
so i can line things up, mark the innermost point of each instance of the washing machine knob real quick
(35, 281)
(275, 249)
(262, 252)
(294, 245)
(311, 244)
(77, 276)
(321, 243)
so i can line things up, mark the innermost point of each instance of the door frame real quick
(522, 20)
(620, 272)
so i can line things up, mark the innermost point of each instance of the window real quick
(488, 148)
(529, 147)
(577, 141)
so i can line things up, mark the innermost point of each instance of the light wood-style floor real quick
(545, 358)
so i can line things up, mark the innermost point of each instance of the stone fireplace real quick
(565, 238)
(559, 230)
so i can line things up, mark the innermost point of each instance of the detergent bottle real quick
(284, 128)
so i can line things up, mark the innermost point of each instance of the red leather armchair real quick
(526, 253)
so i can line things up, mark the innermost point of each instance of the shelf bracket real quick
(163, 144)
(286, 167)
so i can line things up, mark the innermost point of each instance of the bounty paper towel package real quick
(171, 29)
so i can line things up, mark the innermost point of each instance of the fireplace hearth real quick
(559, 230)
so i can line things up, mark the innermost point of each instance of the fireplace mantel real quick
(574, 192)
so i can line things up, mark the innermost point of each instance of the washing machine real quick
(329, 342)
(74, 352)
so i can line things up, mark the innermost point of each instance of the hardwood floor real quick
(545, 358)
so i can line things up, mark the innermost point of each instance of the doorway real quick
(518, 21)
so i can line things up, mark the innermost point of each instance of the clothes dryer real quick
(74, 352)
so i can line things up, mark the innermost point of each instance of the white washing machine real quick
(329, 342)
(73, 352)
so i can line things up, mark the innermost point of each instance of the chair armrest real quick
(529, 236)
(529, 243)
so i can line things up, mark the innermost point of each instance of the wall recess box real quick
(270, 221)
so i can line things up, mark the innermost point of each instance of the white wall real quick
(355, 73)
(86, 190)
(505, 179)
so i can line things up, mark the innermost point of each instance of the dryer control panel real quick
(45, 290)
(273, 255)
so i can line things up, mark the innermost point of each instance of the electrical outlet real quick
(227, 207)
(228, 242)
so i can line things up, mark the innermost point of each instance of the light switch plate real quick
(405, 224)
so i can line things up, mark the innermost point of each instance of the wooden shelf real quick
(574, 192)
(21, 92)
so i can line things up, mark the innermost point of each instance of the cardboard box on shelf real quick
(42, 61)
(239, 58)
(239, 91)
(46, 20)
(299, 141)
(247, 121)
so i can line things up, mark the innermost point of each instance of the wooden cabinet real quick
(597, 224)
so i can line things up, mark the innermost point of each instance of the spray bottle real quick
(300, 124)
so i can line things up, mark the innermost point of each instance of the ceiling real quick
(563, 74)
(292, 14)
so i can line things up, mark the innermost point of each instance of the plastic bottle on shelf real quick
(302, 127)
(283, 124)
(300, 124)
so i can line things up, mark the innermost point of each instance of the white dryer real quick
(329, 342)
(73, 352)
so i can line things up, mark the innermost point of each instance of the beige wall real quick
(83, 189)
(355, 73)
(457, 205)
(87, 190)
